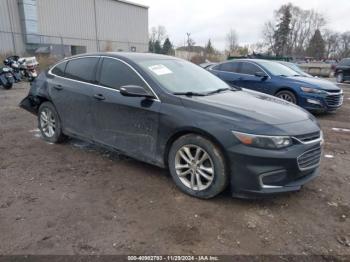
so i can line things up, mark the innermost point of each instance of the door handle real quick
(58, 87)
(99, 97)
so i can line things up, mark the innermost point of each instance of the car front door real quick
(71, 90)
(129, 124)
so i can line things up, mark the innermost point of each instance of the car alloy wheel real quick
(287, 96)
(47, 122)
(194, 167)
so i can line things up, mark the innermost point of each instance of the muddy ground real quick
(78, 199)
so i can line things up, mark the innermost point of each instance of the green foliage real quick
(209, 49)
(168, 47)
(282, 31)
(157, 47)
(316, 46)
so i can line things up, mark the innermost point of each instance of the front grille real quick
(309, 137)
(334, 100)
(310, 158)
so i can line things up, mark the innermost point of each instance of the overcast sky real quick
(213, 18)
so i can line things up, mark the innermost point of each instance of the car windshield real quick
(296, 68)
(179, 76)
(277, 69)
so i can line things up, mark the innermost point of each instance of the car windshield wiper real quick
(189, 94)
(219, 90)
(225, 89)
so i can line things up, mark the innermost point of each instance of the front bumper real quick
(322, 102)
(259, 172)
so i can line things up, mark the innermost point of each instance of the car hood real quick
(314, 82)
(249, 108)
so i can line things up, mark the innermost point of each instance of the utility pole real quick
(188, 46)
(96, 28)
(11, 28)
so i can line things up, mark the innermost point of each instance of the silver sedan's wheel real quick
(47, 122)
(194, 167)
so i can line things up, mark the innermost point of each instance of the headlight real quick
(268, 142)
(312, 90)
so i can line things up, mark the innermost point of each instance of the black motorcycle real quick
(6, 77)
(13, 63)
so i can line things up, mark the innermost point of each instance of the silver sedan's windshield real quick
(178, 76)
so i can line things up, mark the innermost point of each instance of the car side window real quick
(82, 69)
(59, 69)
(249, 69)
(230, 67)
(115, 74)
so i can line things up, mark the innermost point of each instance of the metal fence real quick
(61, 46)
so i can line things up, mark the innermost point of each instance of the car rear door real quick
(228, 72)
(129, 124)
(249, 80)
(71, 90)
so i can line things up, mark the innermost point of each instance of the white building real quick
(69, 27)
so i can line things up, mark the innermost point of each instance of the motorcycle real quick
(26, 67)
(6, 77)
(15, 66)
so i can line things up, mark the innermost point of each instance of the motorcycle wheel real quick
(8, 86)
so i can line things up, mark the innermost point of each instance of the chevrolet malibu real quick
(176, 115)
(313, 94)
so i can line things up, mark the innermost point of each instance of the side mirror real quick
(135, 91)
(260, 74)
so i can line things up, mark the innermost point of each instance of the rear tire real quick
(50, 124)
(288, 96)
(8, 86)
(197, 166)
(340, 78)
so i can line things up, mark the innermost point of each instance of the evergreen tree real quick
(316, 46)
(209, 49)
(282, 31)
(150, 46)
(157, 47)
(167, 47)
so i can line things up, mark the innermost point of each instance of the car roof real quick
(128, 55)
(248, 60)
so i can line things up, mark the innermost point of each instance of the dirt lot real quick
(78, 199)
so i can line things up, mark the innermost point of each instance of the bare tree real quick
(344, 46)
(158, 33)
(268, 36)
(332, 40)
(232, 40)
(303, 24)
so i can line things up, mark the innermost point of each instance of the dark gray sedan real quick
(174, 114)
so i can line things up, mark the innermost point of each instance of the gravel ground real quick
(79, 199)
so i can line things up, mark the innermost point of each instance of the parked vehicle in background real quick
(15, 68)
(174, 114)
(207, 65)
(342, 70)
(272, 78)
(25, 67)
(6, 77)
(295, 67)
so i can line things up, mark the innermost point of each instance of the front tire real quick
(340, 78)
(197, 166)
(287, 96)
(50, 124)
